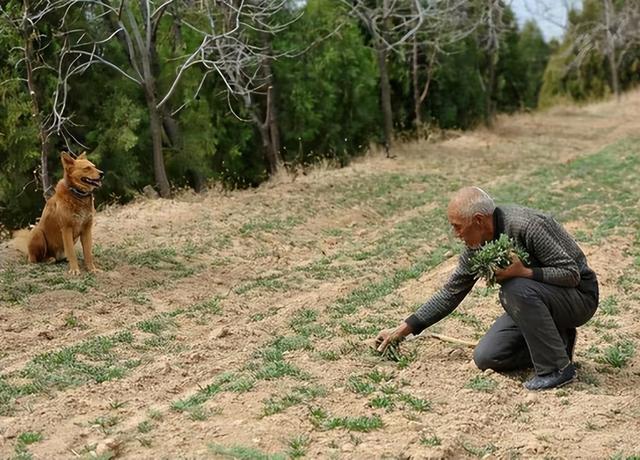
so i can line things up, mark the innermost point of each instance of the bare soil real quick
(257, 252)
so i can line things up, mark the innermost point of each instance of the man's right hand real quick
(393, 335)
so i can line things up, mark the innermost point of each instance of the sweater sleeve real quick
(447, 298)
(550, 245)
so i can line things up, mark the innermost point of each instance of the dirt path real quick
(237, 323)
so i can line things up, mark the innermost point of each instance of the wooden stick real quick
(445, 338)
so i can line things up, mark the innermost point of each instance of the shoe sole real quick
(573, 379)
(566, 383)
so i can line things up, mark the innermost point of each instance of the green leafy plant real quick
(495, 255)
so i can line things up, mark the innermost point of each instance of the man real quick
(544, 302)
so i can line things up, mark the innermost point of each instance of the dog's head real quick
(80, 173)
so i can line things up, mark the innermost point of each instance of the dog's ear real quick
(67, 160)
(82, 156)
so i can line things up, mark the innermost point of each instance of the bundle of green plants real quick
(392, 352)
(495, 255)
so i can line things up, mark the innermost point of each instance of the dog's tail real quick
(20, 240)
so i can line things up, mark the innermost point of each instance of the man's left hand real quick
(394, 335)
(516, 270)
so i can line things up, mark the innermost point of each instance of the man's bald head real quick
(469, 201)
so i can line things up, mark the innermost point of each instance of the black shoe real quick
(552, 380)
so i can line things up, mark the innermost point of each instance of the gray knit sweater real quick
(555, 258)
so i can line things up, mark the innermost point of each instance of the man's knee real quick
(517, 292)
(483, 357)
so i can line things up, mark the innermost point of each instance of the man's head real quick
(470, 213)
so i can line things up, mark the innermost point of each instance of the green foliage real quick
(581, 71)
(243, 453)
(430, 441)
(325, 88)
(457, 97)
(321, 419)
(20, 200)
(480, 452)
(482, 383)
(494, 255)
(298, 446)
(29, 437)
(619, 354)
(321, 116)
(534, 54)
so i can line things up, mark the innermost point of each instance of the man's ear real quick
(67, 160)
(82, 156)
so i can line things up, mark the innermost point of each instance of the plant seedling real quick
(494, 255)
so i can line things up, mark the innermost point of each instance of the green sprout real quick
(495, 255)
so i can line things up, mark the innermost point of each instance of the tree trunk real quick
(385, 96)
(491, 91)
(416, 90)
(274, 130)
(611, 48)
(270, 153)
(176, 27)
(171, 128)
(613, 68)
(420, 96)
(34, 92)
(155, 125)
(272, 111)
(147, 54)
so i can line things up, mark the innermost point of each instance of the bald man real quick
(544, 301)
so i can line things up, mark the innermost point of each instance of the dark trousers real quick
(538, 321)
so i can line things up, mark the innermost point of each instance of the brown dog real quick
(67, 216)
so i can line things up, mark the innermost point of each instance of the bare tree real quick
(613, 35)
(225, 50)
(424, 26)
(492, 28)
(390, 24)
(446, 23)
(243, 59)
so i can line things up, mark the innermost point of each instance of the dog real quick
(67, 217)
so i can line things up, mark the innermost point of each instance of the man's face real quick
(468, 230)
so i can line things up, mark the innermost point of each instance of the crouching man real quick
(544, 302)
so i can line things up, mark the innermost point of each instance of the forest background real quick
(192, 93)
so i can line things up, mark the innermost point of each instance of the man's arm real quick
(443, 302)
(437, 307)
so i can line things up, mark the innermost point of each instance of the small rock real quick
(531, 398)
(10, 432)
(347, 448)
(456, 353)
(46, 335)
(15, 327)
(107, 446)
(194, 358)
(150, 192)
(219, 333)
(489, 372)
(415, 426)
(534, 447)
(166, 368)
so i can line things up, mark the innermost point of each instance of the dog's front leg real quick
(86, 238)
(67, 241)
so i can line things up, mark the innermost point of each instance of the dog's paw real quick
(74, 271)
(93, 269)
